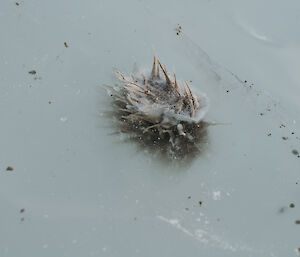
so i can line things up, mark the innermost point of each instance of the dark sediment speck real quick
(32, 72)
(178, 30)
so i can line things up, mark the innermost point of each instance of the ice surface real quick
(77, 182)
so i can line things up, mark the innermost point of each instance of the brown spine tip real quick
(153, 68)
(133, 77)
(166, 75)
(144, 79)
(121, 75)
(189, 99)
(185, 91)
(136, 84)
(176, 85)
(195, 100)
(193, 109)
(188, 88)
(145, 90)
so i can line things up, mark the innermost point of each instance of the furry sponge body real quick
(156, 110)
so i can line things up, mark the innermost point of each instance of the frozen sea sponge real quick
(159, 113)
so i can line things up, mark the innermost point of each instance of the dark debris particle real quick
(292, 205)
(295, 152)
(17, 4)
(245, 81)
(281, 210)
(178, 30)
(22, 210)
(9, 168)
(284, 138)
(297, 222)
(200, 203)
(66, 45)
(187, 209)
(22, 219)
(32, 72)
(261, 114)
(269, 134)
(189, 197)
(227, 91)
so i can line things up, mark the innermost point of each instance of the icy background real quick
(77, 191)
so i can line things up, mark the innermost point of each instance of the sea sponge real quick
(160, 114)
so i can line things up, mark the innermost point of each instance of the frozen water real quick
(77, 182)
